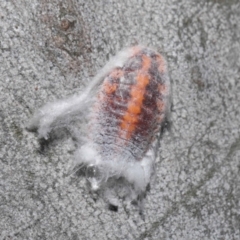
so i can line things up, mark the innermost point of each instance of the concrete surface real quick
(51, 49)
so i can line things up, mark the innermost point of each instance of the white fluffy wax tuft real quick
(137, 173)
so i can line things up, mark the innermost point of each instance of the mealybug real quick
(124, 107)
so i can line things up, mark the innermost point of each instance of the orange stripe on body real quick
(130, 118)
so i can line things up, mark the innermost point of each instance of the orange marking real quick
(130, 118)
(161, 63)
(128, 129)
(137, 94)
(146, 63)
(134, 108)
(142, 80)
(109, 88)
(117, 73)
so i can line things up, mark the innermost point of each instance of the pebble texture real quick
(51, 49)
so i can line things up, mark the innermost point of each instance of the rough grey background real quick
(50, 49)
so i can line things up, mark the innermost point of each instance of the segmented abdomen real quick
(131, 106)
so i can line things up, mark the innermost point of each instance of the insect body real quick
(127, 104)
